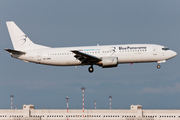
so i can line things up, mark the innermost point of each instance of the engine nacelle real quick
(109, 62)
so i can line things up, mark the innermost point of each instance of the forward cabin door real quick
(154, 50)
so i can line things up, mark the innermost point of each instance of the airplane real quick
(105, 56)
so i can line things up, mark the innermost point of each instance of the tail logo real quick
(23, 39)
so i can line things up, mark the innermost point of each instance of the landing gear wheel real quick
(158, 66)
(91, 69)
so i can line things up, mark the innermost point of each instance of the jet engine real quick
(109, 62)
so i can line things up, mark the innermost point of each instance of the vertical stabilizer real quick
(20, 40)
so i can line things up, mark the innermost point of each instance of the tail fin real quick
(19, 39)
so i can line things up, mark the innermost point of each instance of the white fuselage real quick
(130, 53)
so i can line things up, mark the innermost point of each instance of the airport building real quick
(134, 113)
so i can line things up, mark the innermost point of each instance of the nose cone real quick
(173, 53)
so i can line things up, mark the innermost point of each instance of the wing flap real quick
(85, 57)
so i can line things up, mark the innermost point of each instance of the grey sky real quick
(61, 23)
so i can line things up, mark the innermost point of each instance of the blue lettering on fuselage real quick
(91, 49)
(126, 48)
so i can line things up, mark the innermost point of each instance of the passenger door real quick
(154, 50)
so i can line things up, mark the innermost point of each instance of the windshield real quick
(165, 48)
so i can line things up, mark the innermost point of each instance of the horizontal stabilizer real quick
(14, 51)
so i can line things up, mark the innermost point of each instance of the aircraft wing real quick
(85, 58)
(15, 51)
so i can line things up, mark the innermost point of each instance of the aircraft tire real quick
(158, 66)
(91, 69)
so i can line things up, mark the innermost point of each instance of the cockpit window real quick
(165, 48)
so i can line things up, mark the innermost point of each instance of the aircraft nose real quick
(173, 53)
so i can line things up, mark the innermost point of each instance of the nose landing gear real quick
(158, 66)
(91, 69)
(158, 62)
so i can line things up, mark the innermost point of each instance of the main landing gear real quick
(158, 66)
(91, 69)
